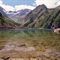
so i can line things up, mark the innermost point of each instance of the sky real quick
(14, 5)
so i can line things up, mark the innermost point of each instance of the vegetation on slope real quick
(42, 17)
(6, 22)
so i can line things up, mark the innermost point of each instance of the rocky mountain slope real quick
(6, 22)
(2, 11)
(18, 16)
(40, 17)
(43, 17)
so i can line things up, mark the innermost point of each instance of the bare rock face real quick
(57, 30)
(32, 18)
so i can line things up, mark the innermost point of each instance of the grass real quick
(39, 38)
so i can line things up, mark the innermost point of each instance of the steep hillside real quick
(18, 16)
(43, 17)
(5, 22)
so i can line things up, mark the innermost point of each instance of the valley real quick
(30, 34)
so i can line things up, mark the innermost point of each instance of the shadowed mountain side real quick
(6, 22)
(42, 17)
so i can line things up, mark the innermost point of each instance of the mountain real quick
(18, 16)
(6, 22)
(42, 17)
(2, 11)
(23, 11)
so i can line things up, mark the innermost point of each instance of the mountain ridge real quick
(42, 17)
(6, 22)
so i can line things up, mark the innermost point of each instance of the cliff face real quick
(43, 17)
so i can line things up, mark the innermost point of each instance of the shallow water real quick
(28, 43)
(32, 36)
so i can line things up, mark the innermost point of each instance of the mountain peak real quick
(1, 8)
(42, 5)
(40, 8)
(2, 11)
(58, 7)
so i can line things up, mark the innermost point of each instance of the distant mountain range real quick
(2, 11)
(40, 17)
(18, 16)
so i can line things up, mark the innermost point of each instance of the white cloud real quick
(58, 3)
(19, 7)
(6, 7)
(1, 2)
(48, 3)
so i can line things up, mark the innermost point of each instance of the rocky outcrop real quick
(57, 30)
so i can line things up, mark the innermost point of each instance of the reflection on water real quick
(9, 33)
(2, 32)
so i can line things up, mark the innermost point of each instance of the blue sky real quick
(19, 2)
(14, 5)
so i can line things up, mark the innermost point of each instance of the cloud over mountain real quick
(48, 3)
(16, 7)
(19, 7)
(6, 7)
